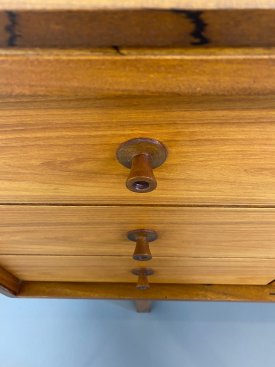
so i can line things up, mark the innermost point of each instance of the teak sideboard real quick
(75, 85)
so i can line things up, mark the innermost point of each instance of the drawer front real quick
(64, 152)
(118, 269)
(99, 230)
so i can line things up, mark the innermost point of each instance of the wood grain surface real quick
(76, 73)
(63, 113)
(221, 150)
(176, 292)
(185, 232)
(137, 28)
(118, 269)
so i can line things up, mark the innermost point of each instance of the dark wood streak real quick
(11, 29)
(118, 50)
(199, 26)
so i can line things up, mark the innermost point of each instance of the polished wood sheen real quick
(186, 232)
(221, 150)
(118, 269)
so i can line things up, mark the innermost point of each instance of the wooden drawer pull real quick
(143, 274)
(141, 155)
(142, 237)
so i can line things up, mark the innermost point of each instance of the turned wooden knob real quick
(143, 274)
(141, 155)
(142, 237)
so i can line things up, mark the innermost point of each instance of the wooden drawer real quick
(89, 244)
(184, 232)
(65, 152)
(118, 269)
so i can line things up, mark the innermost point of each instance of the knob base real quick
(131, 148)
(148, 233)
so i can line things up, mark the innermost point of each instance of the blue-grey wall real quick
(81, 333)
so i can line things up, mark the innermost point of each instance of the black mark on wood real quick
(11, 29)
(199, 25)
(118, 50)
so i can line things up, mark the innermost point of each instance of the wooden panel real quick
(166, 292)
(118, 269)
(159, 4)
(221, 151)
(190, 232)
(76, 73)
(137, 28)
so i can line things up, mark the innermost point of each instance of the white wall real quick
(82, 333)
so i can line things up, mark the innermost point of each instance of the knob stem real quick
(142, 282)
(142, 251)
(141, 156)
(141, 177)
(142, 237)
(143, 274)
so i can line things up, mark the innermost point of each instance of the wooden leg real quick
(143, 306)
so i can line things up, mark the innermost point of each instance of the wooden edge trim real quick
(9, 284)
(220, 74)
(164, 292)
(133, 4)
(140, 52)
